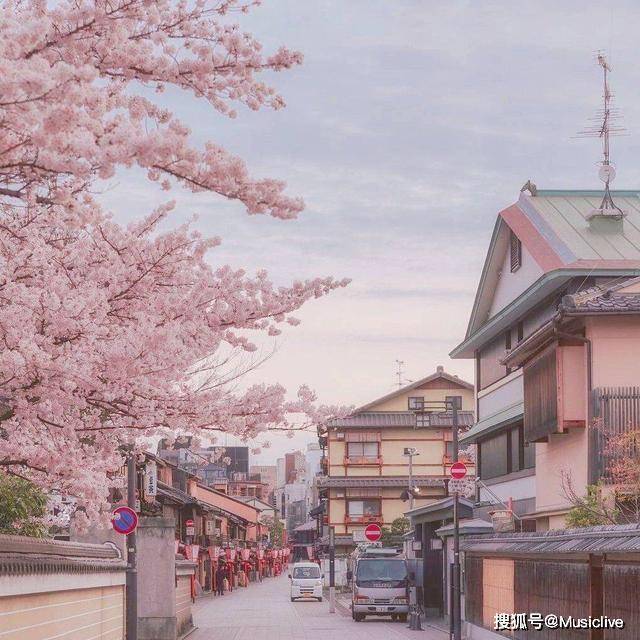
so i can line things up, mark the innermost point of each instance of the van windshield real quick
(306, 572)
(383, 573)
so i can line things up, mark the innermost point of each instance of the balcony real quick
(364, 519)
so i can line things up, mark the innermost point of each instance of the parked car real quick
(306, 581)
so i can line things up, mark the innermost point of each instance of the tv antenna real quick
(400, 373)
(604, 126)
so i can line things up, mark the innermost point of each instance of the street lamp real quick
(409, 452)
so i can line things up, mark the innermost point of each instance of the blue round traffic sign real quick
(124, 520)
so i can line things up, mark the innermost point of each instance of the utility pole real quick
(456, 602)
(410, 452)
(132, 567)
(332, 569)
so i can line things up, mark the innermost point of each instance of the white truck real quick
(379, 584)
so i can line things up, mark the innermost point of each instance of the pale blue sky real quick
(409, 126)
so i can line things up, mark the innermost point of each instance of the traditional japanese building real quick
(366, 466)
(555, 335)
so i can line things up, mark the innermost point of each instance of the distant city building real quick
(268, 476)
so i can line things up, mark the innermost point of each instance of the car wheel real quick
(293, 599)
(319, 599)
(394, 617)
(359, 617)
(403, 617)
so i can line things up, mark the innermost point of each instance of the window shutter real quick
(515, 247)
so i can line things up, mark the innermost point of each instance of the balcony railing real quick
(363, 460)
(364, 519)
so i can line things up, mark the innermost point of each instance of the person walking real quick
(221, 573)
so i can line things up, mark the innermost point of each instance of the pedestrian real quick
(221, 573)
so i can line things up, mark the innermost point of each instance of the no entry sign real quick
(373, 532)
(458, 470)
(124, 520)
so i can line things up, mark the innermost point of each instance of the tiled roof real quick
(310, 525)
(166, 491)
(400, 419)
(396, 481)
(440, 373)
(608, 299)
(604, 539)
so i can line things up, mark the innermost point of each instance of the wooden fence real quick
(616, 411)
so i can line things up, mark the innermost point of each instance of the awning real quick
(493, 423)
(317, 511)
(440, 510)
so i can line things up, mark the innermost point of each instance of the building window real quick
(416, 403)
(362, 508)
(448, 450)
(515, 249)
(505, 453)
(493, 456)
(362, 450)
(520, 331)
(451, 400)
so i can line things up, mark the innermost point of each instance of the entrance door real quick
(432, 572)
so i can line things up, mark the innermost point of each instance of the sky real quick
(409, 126)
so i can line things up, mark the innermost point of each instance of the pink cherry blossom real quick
(111, 334)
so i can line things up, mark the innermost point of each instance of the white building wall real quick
(501, 395)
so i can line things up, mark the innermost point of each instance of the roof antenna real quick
(400, 373)
(604, 128)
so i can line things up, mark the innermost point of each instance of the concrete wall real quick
(616, 345)
(51, 589)
(156, 579)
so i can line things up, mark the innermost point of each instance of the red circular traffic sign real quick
(124, 520)
(189, 523)
(458, 470)
(373, 532)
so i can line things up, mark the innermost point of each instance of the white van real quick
(306, 581)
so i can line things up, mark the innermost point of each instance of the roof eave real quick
(525, 301)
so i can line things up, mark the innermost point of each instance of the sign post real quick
(132, 549)
(332, 569)
(458, 471)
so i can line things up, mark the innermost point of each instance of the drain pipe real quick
(591, 479)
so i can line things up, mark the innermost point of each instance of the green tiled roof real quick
(493, 423)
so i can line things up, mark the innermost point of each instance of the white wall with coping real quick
(11, 585)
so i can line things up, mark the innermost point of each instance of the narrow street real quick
(265, 612)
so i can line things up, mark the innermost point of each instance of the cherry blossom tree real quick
(110, 332)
